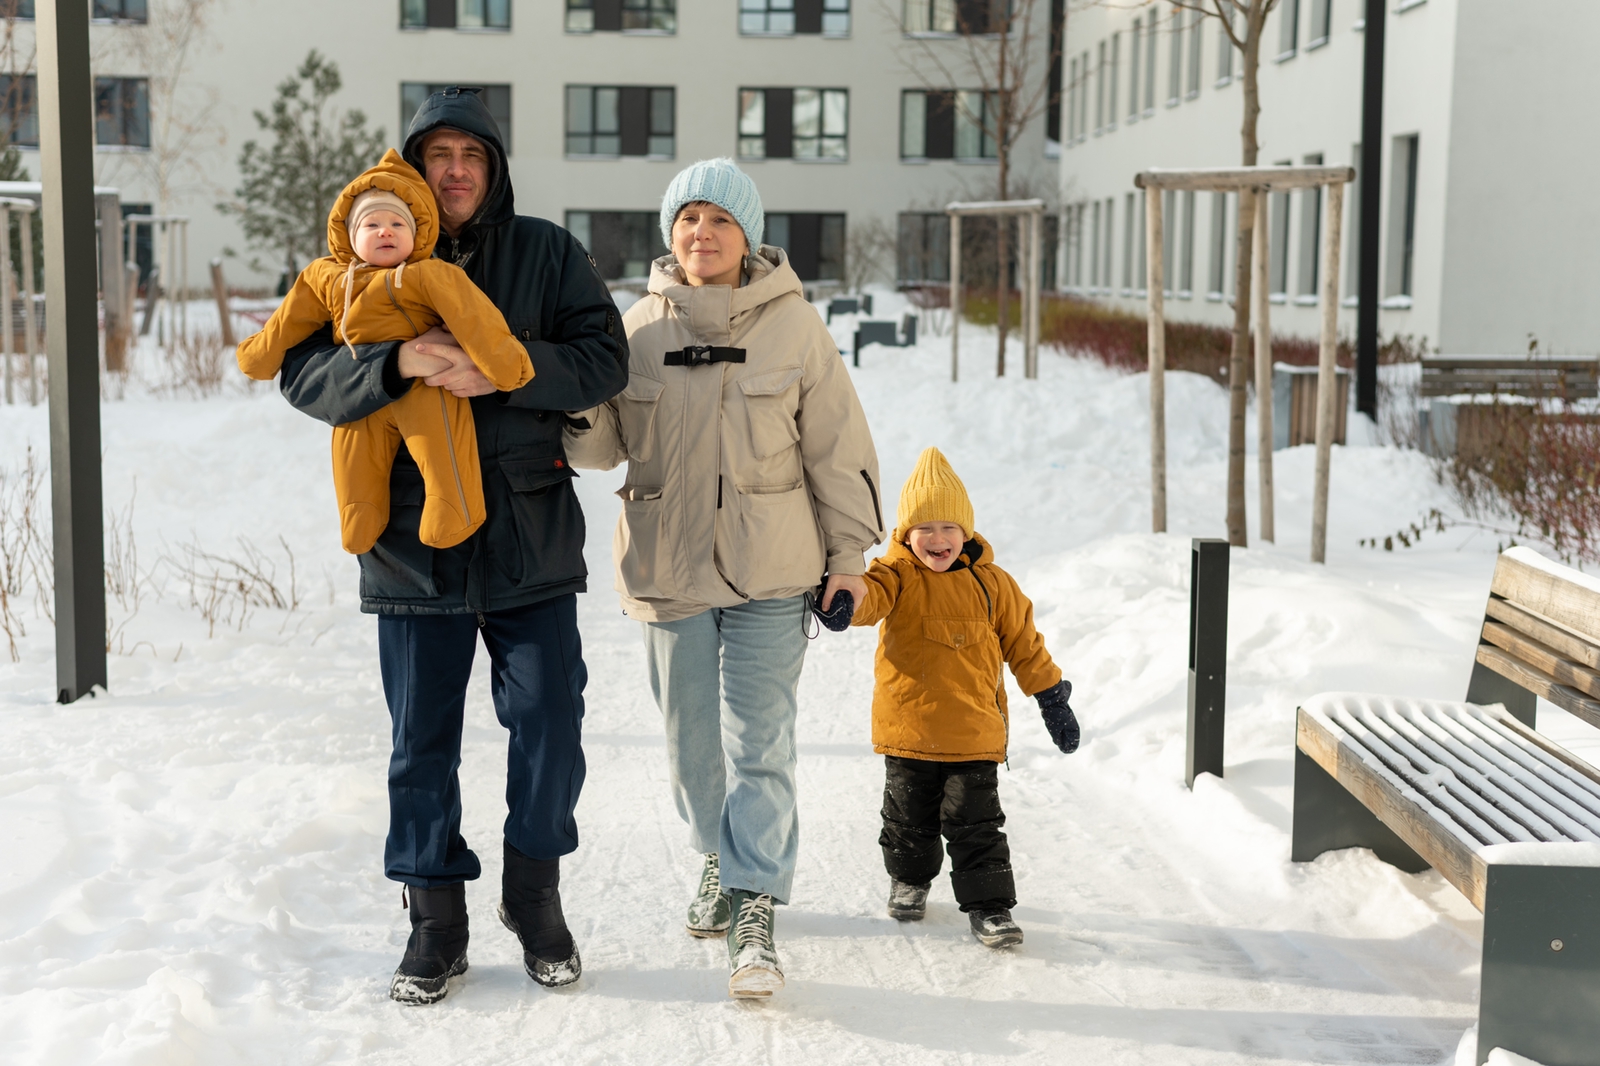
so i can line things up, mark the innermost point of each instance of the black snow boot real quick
(993, 926)
(437, 950)
(530, 906)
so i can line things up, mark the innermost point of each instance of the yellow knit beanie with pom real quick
(933, 493)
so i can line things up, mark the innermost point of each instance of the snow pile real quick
(192, 863)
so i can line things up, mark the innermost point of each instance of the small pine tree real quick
(11, 169)
(289, 186)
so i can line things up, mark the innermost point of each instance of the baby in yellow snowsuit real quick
(381, 284)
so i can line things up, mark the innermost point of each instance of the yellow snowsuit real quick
(396, 305)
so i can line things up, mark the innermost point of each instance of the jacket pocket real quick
(641, 547)
(960, 654)
(535, 553)
(771, 401)
(780, 546)
(636, 414)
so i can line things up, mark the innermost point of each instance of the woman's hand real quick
(438, 360)
(851, 582)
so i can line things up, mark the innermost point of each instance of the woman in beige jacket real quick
(751, 473)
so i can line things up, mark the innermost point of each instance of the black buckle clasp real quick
(697, 354)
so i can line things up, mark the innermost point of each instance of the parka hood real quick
(459, 108)
(771, 276)
(394, 175)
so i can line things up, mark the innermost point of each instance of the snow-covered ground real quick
(192, 871)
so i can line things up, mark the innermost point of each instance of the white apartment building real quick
(1488, 215)
(844, 111)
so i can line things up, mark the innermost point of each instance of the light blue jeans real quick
(725, 681)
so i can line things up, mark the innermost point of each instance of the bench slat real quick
(1540, 683)
(1535, 584)
(1545, 631)
(1544, 657)
(1385, 795)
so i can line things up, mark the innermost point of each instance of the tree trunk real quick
(1239, 357)
(1002, 223)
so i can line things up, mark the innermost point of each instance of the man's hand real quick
(851, 582)
(436, 358)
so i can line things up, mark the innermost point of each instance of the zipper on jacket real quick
(387, 274)
(877, 510)
(450, 446)
(481, 623)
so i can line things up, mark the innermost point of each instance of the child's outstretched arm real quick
(475, 322)
(883, 589)
(300, 315)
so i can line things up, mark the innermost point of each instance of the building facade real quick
(855, 117)
(1486, 216)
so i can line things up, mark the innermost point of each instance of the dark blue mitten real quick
(1058, 717)
(838, 617)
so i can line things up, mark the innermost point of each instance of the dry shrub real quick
(226, 589)
(199, 363)
(1531, 466)
(26, 554)
(933, 307)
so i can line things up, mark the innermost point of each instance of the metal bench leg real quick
(1488, 687)
(1540, 992)
(1327, 818)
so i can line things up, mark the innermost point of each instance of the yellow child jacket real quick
(394, 304)
(938, 693)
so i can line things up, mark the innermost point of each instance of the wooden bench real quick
(1572, 379)
(1506, 815)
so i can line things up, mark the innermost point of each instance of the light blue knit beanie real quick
(720, 182)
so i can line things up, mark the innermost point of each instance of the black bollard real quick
(1208, 656)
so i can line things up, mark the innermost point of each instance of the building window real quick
(1072, 103)
(923, 247)
(1169, 240)
(1127, 243)
(1111, 78)
(1094, 250)
(497, 98)
(1217, 267)
(1278, 240)
(1133, 71)
(1100, 91)
(1310, 232)
(1288, 28)
(1196, 20)
(1150, 66)
(1402, 216)
(794, 123)
(122, 112)
(1225, 51)
(1186, 248)
(1352, 212)
(624, 16)
(965, 17)
(1054, 126)
(621, 243)
(451, 14)
(108, 10)
(784, 17)
(16, 9)
(19, 109)
(1105, 250)
(1321, 23)
(1175, 64)
(815, 243)
(621, 120)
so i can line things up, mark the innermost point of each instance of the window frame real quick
(122, 19)
(826, 14)
(788, 132)
(121, 86)
(627, 119)
(25, 109)
(601, 13)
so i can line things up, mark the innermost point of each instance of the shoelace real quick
(711, 876)
(755, 920)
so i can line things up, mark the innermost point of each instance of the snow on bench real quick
(1506, 815)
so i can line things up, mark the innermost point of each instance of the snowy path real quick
(192, 864)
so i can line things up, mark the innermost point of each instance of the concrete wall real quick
(251, 46)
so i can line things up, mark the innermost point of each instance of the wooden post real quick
(108, 206)
(955, 296)
(219, 289)
(1262, 300)
(6, 296)
(1035, 261)
(1158, 361)
(1327, 384)
(30, 329)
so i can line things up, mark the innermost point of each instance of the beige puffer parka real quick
(745, 480)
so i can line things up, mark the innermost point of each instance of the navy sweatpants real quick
(537, 686)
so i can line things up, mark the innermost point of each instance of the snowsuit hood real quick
(395, 175)
(938, 693)
(461, 109)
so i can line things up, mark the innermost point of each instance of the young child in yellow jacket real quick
(949, 617)
(381, 283)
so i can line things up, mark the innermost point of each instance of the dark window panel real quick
(972, 16)
(1058, 23)
(780, 123)
(941, 133)
(808, 16)
(634, 113)
(608, 15)
(19, 109)
(442, 14)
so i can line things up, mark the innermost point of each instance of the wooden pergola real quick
(1031, 212)
(1252, 184)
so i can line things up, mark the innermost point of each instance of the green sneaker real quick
(752, 956)
(708, 911)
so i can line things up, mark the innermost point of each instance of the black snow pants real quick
(962, 800)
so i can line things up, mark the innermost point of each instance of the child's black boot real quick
(907, 903)
(993, 926)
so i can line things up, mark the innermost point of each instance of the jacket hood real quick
(771, 276)
(395, 175)
(457, 108)
(975, 551)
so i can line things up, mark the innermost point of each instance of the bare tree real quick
(184, 128)
(1002, 52)
(869, 252)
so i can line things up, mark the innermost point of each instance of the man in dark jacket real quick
(514, 582)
